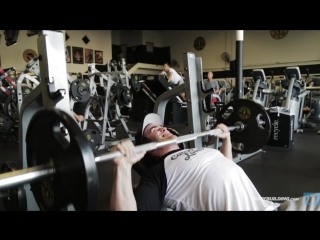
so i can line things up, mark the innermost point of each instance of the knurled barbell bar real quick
(62, 169)
(13, 199)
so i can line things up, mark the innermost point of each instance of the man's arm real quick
(226, 147)
(169, 76)
(79, 118)
(122, 197)
(78, 111)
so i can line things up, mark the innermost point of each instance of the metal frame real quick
(22, 77)
(147, 69)
(32, 67)
(259, 77)
(51, 93)
(108, 133)
(196, 95)
(300, 119)
(292, 104)
(190, 87)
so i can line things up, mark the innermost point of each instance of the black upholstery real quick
(316, 82)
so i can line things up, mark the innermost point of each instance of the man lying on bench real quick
(197, 179)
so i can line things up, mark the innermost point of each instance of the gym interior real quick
(273, 114)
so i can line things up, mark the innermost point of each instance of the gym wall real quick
(12, 56)
(298, 47)
(136, 50)
(134, 38)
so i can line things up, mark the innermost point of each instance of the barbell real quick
(13, 199)
(62, 169)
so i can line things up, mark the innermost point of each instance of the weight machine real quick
(70, 166)
(114, 91)
(228, 90)
(9, 87)
(25, 77)
(163, 80)
(313, 84)
(138, 83)
(152, 86)
(212, 109)
(225, 88)
(13, 95)
(196, 96)
(51, 93)
(305, 101)
(294, 95)
(261, 91)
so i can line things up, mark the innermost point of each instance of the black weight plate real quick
(125, 96)
(3, 96)
(76, 178)
(93, 136)
(80, 90)
(135, 84)
(5, 123)
(255, 135)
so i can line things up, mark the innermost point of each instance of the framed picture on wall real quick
(98, 56)
(77, 53)
(68, 54)
(149, 46)
(88, 55)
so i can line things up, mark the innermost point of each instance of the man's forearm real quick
(79, 118)
(122, 197)
(226, 148)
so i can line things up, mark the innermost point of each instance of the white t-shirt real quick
(176, 77)
(199, 180)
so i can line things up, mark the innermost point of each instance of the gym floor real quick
(277, 172)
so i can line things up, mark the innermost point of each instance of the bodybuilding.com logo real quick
(311, 198)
